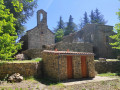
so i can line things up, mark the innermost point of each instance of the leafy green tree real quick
(71, 26)
(116, 37)
(59, 35)
(61, 25)
(8, 35)
(26, 11)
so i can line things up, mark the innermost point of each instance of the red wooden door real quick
(69, 67)
(83, 66)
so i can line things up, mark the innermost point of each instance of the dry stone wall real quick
(25, 69)
(107, 66)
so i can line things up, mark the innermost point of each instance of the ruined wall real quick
(25, 69)
(98, 36)
(79, 47)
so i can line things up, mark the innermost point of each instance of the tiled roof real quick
(68, 52)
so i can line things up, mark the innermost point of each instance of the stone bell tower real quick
(41, 18)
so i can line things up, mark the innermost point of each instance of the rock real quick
(15, 78)
(21, 57)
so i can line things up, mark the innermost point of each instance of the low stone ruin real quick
(15, 78)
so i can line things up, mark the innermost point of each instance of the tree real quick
(85, 19)
(71, 26)
(59, 35)
(8, 35)
(97, 17)
(116, 37)
(60, 25)
(92, 17)
(23, 15)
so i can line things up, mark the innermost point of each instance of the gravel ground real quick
(97, 83)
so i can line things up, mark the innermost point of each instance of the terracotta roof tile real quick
(68, 52)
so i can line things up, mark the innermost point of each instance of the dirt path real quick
(97, 83)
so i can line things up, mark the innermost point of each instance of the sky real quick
(76, 8)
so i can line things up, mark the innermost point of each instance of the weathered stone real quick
(55, 66)
(21, 57)
(25, 69)
(40, 35)
(15, 78)
(98, 36)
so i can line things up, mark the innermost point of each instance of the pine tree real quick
(71, 26)
(60, 25)
(92, 17)
(99, 17)
(85, 19)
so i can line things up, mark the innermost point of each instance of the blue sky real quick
(76, 8)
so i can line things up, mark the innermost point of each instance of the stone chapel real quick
(40, 35)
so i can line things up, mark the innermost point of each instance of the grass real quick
(23, 61)
(110, 60)
(108, 74)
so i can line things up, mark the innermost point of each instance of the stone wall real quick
(107, 66)
(57, 71)
(33, 53)
(79, 47)
(25, 69)
(39, 35)
(98, 36)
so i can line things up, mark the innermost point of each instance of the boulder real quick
(21, 57)
(15, 78)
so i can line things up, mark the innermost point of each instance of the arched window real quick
(41, 17)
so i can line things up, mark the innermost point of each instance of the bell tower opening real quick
(41, 17)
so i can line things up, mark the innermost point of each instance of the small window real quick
(42, 33)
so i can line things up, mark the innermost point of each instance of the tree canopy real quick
(22, 14)
(116, 37)
(71, 26)
(8, 35)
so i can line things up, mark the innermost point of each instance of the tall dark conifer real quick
(71, 26)
(85, 19)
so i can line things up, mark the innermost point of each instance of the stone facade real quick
(25, 69)
(39, 35)
(98, 36)
(75, 46)
(55, 66)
